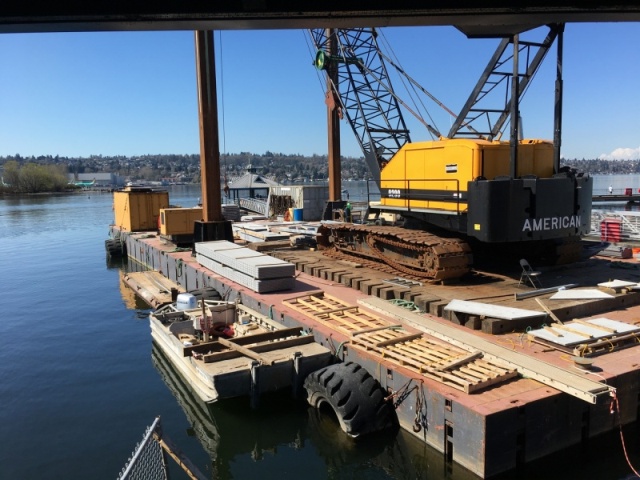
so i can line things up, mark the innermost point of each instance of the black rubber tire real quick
(114, 249)
(356, 398)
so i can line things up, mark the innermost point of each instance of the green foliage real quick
(33, 178)
(278, 166)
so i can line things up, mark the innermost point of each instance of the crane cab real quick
(465, 185)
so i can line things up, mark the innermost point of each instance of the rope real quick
(420, 421)
(405, 304)
(335, 351)
(401, 394)
(340, 346)
(615, 408)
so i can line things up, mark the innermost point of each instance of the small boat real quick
(226, 350)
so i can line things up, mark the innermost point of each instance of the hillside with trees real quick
(32, 177)
(281, 167)
(47, 173)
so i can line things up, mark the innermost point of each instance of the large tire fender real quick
(355, 396)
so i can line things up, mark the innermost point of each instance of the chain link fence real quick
(147, 461)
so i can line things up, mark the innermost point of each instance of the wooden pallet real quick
(418, 352)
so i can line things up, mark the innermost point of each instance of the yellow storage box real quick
(179, 221)
(138, 210)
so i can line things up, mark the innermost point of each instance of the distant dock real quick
(628, 198)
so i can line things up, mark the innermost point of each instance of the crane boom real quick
(498, 74)
(363, 87)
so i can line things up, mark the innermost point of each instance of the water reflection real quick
(37, 214)
(302, 441)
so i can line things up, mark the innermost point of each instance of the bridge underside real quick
(491, 18)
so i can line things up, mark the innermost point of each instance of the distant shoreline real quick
(38, 194)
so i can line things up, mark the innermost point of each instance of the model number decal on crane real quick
(551, 223)
(451, 168)
(393, 193)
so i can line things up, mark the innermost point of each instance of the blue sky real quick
(134, 93)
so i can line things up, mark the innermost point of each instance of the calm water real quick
(80, 381)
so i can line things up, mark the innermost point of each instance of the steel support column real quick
(208, 116)
(333, 124)
(213, 226)
(557, 117)
(515, 108)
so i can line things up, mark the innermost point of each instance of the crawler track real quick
(412, 252)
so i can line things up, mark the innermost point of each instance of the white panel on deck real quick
(209, 248)
(617, 284)
(254, 227)
(619, 327)
(255, 270)
(260, 286)
(565, 334)
(580, 294)
(255, 264)
(492, 311)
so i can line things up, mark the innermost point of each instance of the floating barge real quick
(263, 357)
(474, 384)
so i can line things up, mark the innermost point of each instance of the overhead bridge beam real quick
(489, 18)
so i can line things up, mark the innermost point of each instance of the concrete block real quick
(474, 322)
(423, 301)
(410, 295)
(308, 268)
(437, 307)
(348, 278)
(496, 326)
(366, 286)
(317, 270)
(383, 291)
(325, 274)
(335, 275)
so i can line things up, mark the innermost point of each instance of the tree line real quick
(278, 166)
(48, 173)
(33, 178)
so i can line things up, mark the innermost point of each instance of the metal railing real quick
(255, 205)
(407, 193)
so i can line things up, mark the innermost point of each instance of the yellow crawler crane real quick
(467, 187)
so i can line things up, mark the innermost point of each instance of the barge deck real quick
(460, 391)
